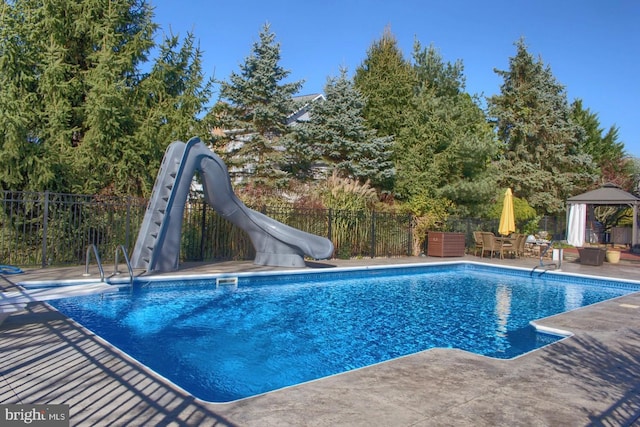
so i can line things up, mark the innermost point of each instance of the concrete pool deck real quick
(591, 378)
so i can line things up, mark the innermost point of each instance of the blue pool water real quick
(223, 344)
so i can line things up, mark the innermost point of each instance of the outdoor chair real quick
(477, 238)
(519, 241)
(520, 245)
(492, 245)
(517, 245)
(511, 246)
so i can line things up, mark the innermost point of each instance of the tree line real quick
(85, 109)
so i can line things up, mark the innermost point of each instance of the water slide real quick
(157, 248)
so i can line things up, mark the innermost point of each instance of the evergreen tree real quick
(446, 144)
(171, 98)
(443, 79)
(604, 148)
(387, 81)
(66, 98)
(77, 113)
(25, 160)
(338, 135)
(109, 105)
(260, 106)
(542, 161)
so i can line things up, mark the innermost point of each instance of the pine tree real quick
(170, 100)
(78, 114)
(542, 160)
(25, 161)
(443, 79)
(605, 149)
(446, 145)
(260, 105)
(66, 91)
(387, 81)
(121, 33)
(337, 133)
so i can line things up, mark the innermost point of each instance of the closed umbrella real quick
(507, 222)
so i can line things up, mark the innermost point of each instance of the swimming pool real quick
(222, 343)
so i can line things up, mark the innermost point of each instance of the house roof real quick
(303, 104)
(305, 99)
(609, 194)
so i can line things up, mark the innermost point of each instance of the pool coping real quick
(588, 378)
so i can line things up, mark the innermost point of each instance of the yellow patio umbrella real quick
(507, 222)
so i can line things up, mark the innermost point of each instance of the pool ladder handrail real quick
(542, 264)
(121, 248)
(88, 258)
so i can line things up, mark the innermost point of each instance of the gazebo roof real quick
(609, 194)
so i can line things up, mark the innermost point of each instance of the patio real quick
(591, 378)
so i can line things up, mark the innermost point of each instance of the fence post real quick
(127, 226)
(410, 236)
(45, 224)
(203, 224)
(373, 234)
(329, 221)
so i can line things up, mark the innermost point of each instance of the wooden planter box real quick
(591, 256)
(444, 244)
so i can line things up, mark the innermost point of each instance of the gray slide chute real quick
(158, 245)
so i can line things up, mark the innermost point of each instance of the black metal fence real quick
(53, 228)
(40, 229)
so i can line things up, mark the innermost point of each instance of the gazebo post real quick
(634, 228)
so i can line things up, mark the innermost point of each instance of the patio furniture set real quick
(515, 245)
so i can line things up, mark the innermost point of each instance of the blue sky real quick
(591, 46)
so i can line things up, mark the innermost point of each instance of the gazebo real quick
(609, 194)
